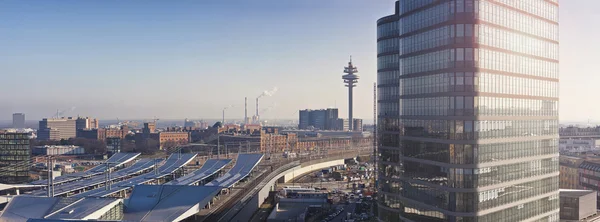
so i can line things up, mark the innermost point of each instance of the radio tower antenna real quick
(350, 79)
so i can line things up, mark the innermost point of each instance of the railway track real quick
(229, 208)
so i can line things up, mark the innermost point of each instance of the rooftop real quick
(23, 208)
(575, 193)
(167, 202)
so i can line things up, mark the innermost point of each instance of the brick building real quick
(252, 128)
(271, 140)
(175, 137)
(569, 172)
(103, 133)
(314, 143)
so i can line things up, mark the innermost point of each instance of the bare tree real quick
(127, 146)
(147, 146)
(168, 145)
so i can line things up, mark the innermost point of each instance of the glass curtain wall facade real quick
(14, 158)
(468, 111)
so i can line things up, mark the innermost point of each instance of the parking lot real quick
(350, 192)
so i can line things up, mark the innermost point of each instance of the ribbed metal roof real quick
(116, 160)
(209, 168)
(172, 164)
(141, 165)
(167, 202)
(23, 208)
(244, 165)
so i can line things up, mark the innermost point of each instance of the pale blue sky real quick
(178, 59)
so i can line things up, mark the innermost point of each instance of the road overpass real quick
(241, 205)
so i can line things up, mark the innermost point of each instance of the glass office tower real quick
(468, 111)
(15, 157)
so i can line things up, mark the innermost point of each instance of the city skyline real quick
(67, 58)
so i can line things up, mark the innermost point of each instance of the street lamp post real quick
(218, 145)
(107, 182)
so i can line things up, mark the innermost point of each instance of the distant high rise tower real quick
(245, 110)
(19, 120)
(57, 129)
(350, 79)
(322, 119)
(86, 123)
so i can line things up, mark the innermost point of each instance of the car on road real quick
(364, 216)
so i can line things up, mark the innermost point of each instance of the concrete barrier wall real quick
(248, 210)
(304, 170)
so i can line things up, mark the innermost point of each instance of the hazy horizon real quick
(190, 59)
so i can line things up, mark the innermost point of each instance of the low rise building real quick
(195, 124)
(48, 134)
(242, 139)
(252, 128)
(56, 150)
(295, 205)
(324, 143)
(114, 145)
(578, 205)
(579, 145)
(170, 138)
(176, 138)
(104, 133)
(589, 175)
(274, 142)
(328, 133)
(232, 128)
(289, 141)
(574, 131)
(569, 172)
(357, 124)
(342, 125)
